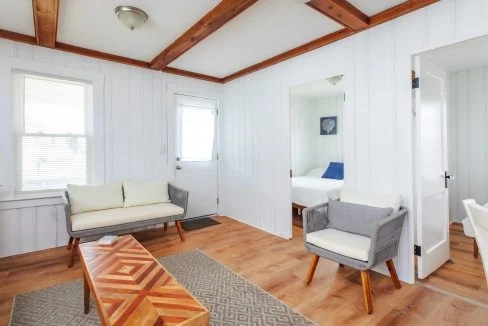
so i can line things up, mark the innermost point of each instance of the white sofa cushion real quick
(116, 216)
(140, 193)
(92, 198)
(353, 197)
(343, 243)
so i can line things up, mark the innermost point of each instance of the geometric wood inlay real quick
(131, 288)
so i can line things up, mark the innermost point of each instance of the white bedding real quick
(311, 190)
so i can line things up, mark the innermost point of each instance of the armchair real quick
(358, 236)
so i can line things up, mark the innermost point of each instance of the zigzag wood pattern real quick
(131, 288)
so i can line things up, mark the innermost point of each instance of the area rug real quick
(198, 223)
(231, 299)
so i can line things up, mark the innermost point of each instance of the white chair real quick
(478, 215)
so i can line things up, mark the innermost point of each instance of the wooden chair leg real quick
(393, 274)
(368, 303)
(166, 226)
(475, 248)
(70, 243)
(180, 231)
(74, 251)
(311, 268)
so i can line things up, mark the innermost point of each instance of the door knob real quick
(447, 177)
(178, 167)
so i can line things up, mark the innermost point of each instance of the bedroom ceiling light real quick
(335, 80)
(131, 17)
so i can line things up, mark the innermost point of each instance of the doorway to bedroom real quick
(316, 121)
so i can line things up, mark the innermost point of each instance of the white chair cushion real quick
(343, 243)
(145, 193)
(116, 216)
(353, 197)
(92, 198)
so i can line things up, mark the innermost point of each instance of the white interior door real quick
(196, 167)
(432, 197)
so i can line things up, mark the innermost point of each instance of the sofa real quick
(97, 210)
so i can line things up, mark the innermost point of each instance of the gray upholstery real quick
(177, 196)
(353, 218)
(385, 236)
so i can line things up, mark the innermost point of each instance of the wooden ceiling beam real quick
(342, 12)
(185, 73)
(46, 21)
(375, 20)
(17, 37)
(225, 11)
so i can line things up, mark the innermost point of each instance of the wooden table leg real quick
(475, 248)
(86, 294)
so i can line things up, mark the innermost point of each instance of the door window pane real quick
(197, 130)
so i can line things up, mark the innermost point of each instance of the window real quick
(52, 132)
(196, 123)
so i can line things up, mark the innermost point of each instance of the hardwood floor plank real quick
(276, 265)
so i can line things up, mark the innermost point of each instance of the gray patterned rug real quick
(230, 298)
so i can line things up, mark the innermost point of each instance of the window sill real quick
(31, 199)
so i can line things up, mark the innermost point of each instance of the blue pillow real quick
(334, 171)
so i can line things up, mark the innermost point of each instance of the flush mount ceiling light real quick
(131, 17)
(335, 80)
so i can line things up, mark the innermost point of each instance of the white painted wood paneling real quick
(468, 150)
(304, 135)
(330, 148)
(133, 110)
(378, 142)
(309, 149)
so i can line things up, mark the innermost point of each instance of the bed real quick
(311, 189)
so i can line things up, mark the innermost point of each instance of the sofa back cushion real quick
(139, 193)
(354, 218)
(369, 199)
(94, 198)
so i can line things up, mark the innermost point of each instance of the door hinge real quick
(291, 173)
(417, 250)
(218, 200)
(415, 83)
(217, 156)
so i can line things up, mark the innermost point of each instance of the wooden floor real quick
(278, 266)
(465, 277)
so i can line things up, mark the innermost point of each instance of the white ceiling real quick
(321, 88)
(462, 56)
(266, 29)
(17, 16)
(92, 24)
(371, 7)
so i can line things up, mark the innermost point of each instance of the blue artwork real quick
(328, 125)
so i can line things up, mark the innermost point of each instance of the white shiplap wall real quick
(135, 140)
(304, 134)
(330, 148)
(468, 137)
(377, 116)
(309, 149)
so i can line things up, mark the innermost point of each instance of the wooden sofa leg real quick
(180, 231)
(74, 251)
(475, 248)
(165, 226)
(311, 268)
(393, 274)
(70, 243)
(368, 303)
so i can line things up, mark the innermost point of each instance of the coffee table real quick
(131, 288)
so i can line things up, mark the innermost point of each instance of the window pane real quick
(197, 133)
(53, 107)
(52, 162)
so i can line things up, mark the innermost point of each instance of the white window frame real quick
(18, 106)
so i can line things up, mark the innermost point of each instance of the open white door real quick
(432, 197)
(196, 167)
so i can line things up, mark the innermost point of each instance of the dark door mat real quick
(198, 223)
